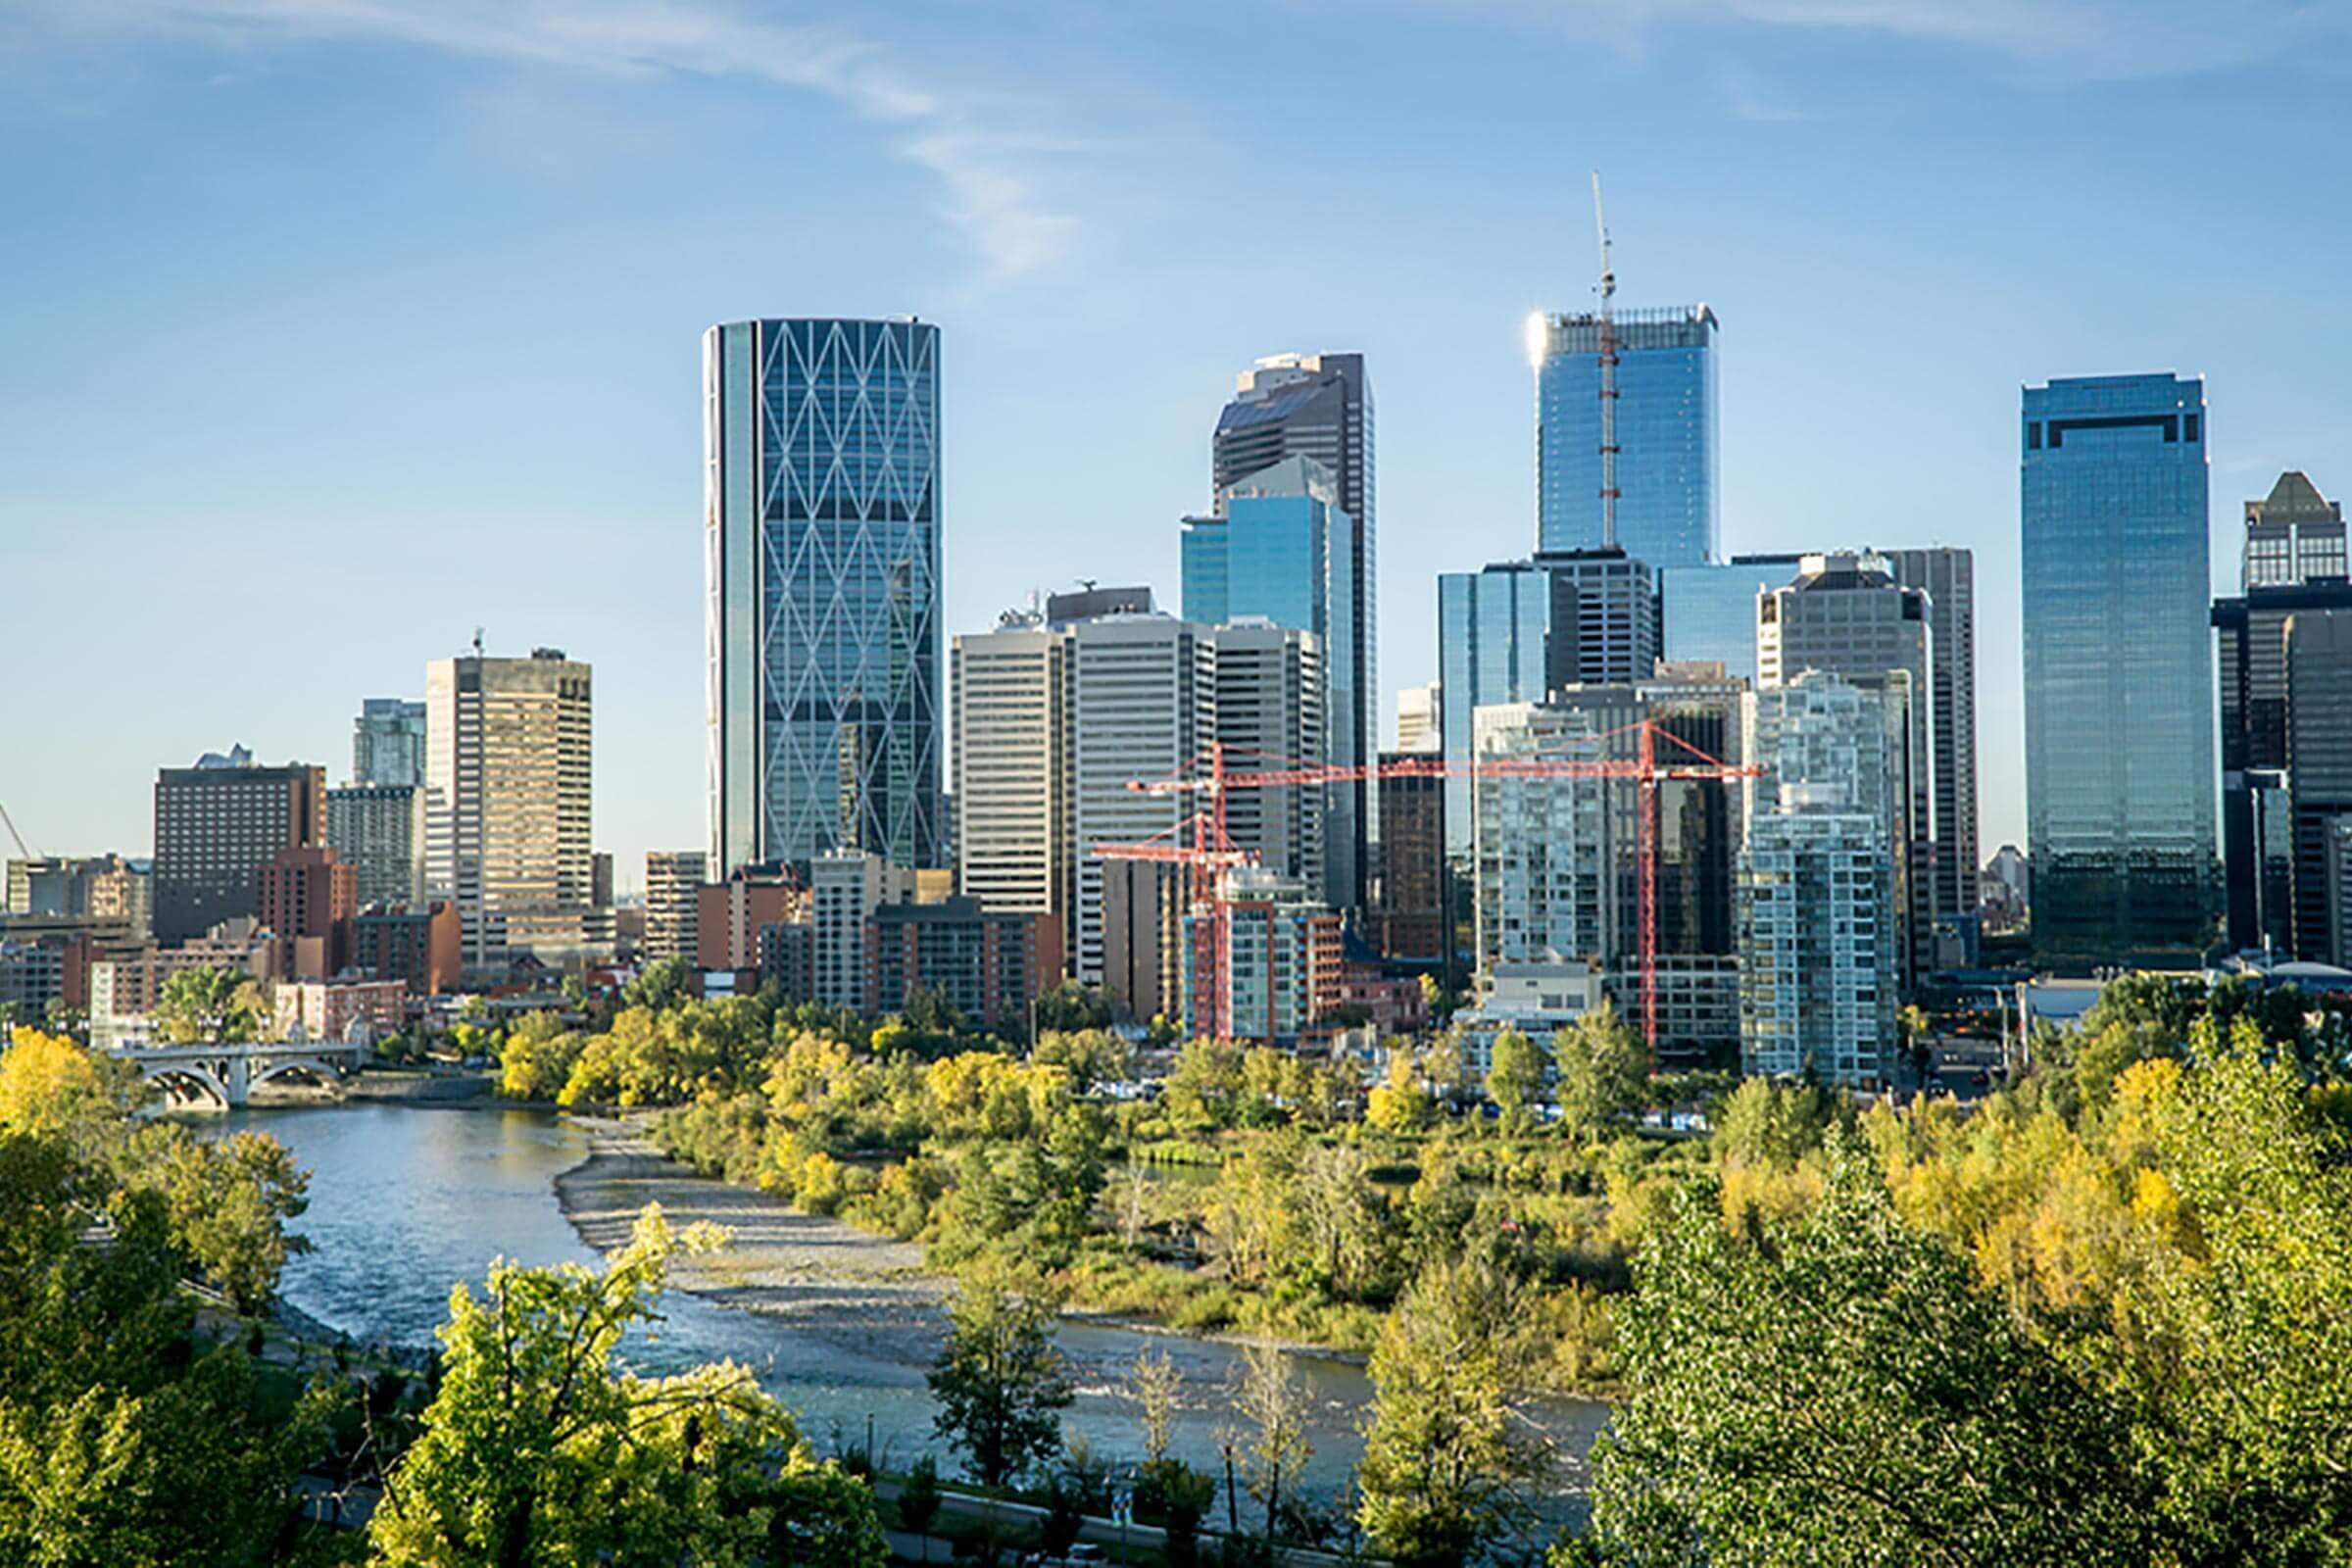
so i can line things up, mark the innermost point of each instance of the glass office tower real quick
(1493, 626)
(1710, 611)
(821, 573)
(2118, 669)
(1667, 453)
(1281, 548)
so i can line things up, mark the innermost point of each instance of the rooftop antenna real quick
(1608, 376)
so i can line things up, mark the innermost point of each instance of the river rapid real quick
(405, 1202)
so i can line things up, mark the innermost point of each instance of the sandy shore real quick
(777, 1261)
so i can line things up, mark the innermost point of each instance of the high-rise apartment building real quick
(2294, 566)
(1280, 548)
(1817, 912)
(1847, 615)
(508, 773)
(1709, 611)
(2295, 535)
(1318, 405)
(2118, 667)
(1265, 959)
(821, 532)
(1668, 452)
(2318, 780)
(1604, 618)
(378, 831)
(846, 888)
(1544, 848)
(1948, 576)
(673, 882)
(987, 964)
(1269, 709)
(1493, 627)
(216, 824)
(388, 742)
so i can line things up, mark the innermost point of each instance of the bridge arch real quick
(188, 1083)
(315, 1070)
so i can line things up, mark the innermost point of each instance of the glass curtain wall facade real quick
(821, 526)
(2118, 669)
(388, 742)
(1492, 629)
(1710, 611)
(1668, 453)
(1279, 551)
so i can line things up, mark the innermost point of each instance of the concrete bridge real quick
(226, 1076)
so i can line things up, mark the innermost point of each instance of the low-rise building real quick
(987, 965)
(366, 1010)
(418, 947)
(1535, 999)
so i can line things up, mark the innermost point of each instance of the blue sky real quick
(329, 331)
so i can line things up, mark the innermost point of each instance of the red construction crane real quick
(1213, 851)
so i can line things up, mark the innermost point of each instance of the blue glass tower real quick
(1493, 628)
(821, 498)
(1710, 612)
(1666, 434)
(2118, 667)
(1283, 549)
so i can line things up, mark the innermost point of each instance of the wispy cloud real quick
(2066, 38)
(990, 189)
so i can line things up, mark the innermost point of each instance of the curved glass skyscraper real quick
(2118, 667)
(820, 500)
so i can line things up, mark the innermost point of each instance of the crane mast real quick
(1608, 375)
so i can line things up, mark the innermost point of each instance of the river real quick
(407, 1201)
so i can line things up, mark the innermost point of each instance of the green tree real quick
(1000, 1381)
(1274, 1410)
(1155, 1386)
(1398, 1104)
(537, 1451)
(200, 1005)
(1444, 1457)
(123, 1437)
(227, 1202)
(919, 1498)
(1833, 1390)
(1515, 1075)
(1072, 1009)
(661, 986)
(537, 1058)
(1604, 1071)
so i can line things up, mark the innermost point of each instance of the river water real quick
(405, 1202)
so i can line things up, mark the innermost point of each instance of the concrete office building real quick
(387, 743)
(1708, 611)
(1055, 719)
(1669, 456)
(1417, 727)
(2294, 566)
(1604, 618)
(2318, 775)
(101, 887)
(216, 824)
(2118, 670)
(2293, 535)
(821, 517)
(378, 830)
(1817, 913)
(673, 882)
(1847, 615)
(309, 897)
(1279, 550)
(508, 777)
(1948, 576)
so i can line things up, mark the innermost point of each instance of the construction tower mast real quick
(1608, 376)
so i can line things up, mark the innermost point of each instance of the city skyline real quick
(607, 470)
